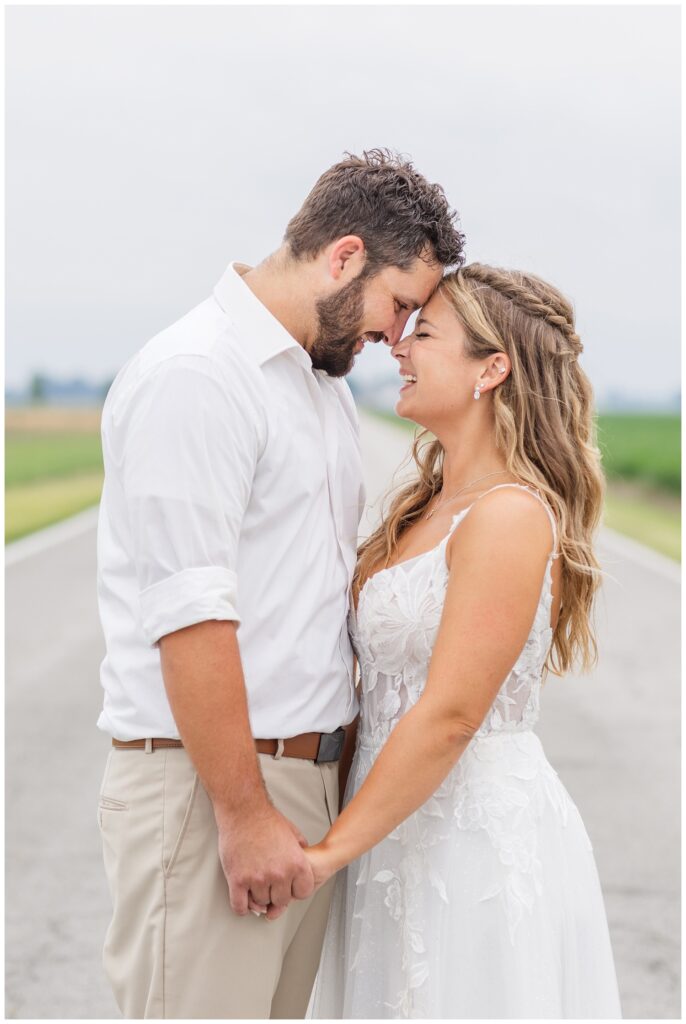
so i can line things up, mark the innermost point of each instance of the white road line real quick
(631, 551)
(51, 536)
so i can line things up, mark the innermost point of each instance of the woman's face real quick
(434, 354)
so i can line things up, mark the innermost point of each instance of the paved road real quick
(613, 737)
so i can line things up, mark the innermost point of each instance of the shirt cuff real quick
(187, 597)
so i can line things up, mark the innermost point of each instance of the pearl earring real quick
(477, 392)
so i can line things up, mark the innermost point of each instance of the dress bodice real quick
(395, 628)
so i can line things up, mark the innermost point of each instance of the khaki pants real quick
(174, 947)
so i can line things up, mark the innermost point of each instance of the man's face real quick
(369, 309)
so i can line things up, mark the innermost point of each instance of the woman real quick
(470, 888)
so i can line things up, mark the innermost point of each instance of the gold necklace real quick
(470, 484)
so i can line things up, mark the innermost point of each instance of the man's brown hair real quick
(380, 197)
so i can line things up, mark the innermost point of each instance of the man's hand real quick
(262, 858)
(260, 850)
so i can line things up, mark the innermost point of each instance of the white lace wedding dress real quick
(484, 903)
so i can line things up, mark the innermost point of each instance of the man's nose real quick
(402, 346)
(392, 337)
(395, 333)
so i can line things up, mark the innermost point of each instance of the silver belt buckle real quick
(330, 746)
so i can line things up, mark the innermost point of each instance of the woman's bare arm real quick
(499, 554)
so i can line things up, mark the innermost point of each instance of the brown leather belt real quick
(310, 746)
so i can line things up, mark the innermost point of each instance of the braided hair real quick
(531, 295)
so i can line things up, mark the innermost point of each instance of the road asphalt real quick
(613, 737)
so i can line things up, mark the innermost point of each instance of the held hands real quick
(267, 862)
(322, 869)
(263, 861)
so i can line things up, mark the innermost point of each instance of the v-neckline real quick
(422, 554)
(406, 561)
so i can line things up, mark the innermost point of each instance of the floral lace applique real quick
(499, 787)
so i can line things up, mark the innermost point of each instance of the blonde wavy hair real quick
(544, 425)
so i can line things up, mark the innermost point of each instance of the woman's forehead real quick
(436, 309)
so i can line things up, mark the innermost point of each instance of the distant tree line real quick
(43, 389)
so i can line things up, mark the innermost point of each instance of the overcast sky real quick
(148, 146)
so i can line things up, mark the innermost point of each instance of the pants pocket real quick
(178, 809)
(329, 774)
(106, 802)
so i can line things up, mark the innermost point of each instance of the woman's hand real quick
(321, 863)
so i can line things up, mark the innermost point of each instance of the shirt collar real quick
(262, 332)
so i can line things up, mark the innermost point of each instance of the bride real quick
(466, 885)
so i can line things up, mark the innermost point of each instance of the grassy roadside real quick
(32, 506)
(648, 516)
(53, 466)
(641, 455)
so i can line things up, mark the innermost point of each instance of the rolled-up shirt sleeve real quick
(190, 445)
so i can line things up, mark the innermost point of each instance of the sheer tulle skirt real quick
(485, 903)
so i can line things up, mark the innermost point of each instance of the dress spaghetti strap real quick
(531, 490)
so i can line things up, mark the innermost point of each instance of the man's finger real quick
(274, 912)
(260, 894)
(256, 908)
(281, 895)
(238, 897)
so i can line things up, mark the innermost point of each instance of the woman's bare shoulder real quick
(503, 517)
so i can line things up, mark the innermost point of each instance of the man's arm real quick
(260, 850)
(188, 442)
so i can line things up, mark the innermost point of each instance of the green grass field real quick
(31, 457)
(642, 462)
(53, 466)
(645, 448)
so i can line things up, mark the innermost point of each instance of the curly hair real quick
(380, 197)
(544, 425)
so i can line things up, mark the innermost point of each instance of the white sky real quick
(148, 146)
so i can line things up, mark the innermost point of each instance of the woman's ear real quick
(496, 370)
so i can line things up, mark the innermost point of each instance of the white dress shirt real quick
(233, 490)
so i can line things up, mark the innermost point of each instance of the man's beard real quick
(339, 328)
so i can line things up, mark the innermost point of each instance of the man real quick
(226, 546)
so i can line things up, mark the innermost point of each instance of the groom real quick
(226, 546)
